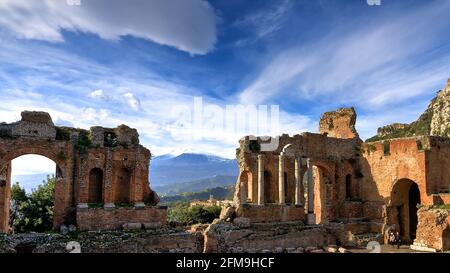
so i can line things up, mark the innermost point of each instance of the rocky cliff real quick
(435, 121)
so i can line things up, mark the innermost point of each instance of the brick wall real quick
(104, 219)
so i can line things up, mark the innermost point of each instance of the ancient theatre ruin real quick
(103, 166)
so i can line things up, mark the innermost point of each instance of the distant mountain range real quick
(171, 175)
(188, 167)
(218, 193)
(200, 185)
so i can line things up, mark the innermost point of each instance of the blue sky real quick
(112, 62)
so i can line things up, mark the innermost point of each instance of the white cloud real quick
(32, 164)
(188, 25)
(132, 101)
(346, 65)
(265, 22)
(99, 94)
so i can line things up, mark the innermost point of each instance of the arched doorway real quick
(247, 186)
(29, 198)
(96, 186)
(322, 193)
(405, 197)
(123, 188)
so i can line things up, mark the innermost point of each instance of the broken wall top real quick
(339, 123)
(39, 125)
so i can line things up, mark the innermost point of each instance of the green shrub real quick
(32, 212)
(181, 212)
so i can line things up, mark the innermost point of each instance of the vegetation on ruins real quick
(219, 193)
(32, 212)
(181, 212)
(420, 127)
(254, 146)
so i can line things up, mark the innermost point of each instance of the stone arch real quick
(47, 152)
(123, 189)
(60, 187)
(95, 192)
(247, 186)
(323, 181)
(405, 196)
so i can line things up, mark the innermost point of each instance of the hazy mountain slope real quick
(196, 185)
(167, 169)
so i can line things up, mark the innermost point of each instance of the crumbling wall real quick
(433, 230)
(223, 237)
(122, 165)
(339, 123)
(116, 218)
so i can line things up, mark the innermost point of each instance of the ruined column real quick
(5, 187)
(243, 191)
(311, 217)
(281, 189)
(261, 180)
(298, 181)
(108, 187)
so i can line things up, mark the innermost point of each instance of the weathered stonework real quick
(434, 229)
(110, 219)
(339, 123)
(360, 191)
(103, 166)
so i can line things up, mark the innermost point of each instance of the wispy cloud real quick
(370, 63)
(264, 22)
(191, 27)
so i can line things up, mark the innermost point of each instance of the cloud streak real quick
(369, 63)
(188, 25)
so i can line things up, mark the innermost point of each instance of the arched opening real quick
(348, 186)
(123, 186)
(322, 199)
(405, 197)
(30, 193)
(96, 186)
(268, 188)
(247, 186)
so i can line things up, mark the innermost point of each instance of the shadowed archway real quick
(405, 196)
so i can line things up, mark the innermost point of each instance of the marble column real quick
(311, 217)
(298, 181)
(261, 180)
(281, 189)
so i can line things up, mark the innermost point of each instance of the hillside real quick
(196, 185)
(219, 193)
(435, 121)
(188, 167)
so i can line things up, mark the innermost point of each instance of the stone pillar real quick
(298, 181)
(5, 188)
(243, 190)
(261, 180)
(311, 217)
(108, 181)
(281, 189)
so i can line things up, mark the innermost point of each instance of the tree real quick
(181, 212)
(33, 212)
